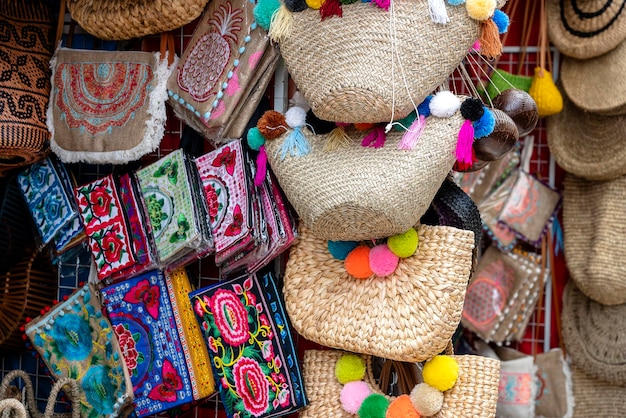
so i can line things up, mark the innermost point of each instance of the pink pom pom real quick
(476, 46)
(353, 394)
(383, 261)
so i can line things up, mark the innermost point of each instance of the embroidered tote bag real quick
(75, 340)
(249, 340)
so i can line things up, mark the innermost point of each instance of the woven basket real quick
(16, 224)
(343, 66)
(475, 394)
(117, 20)
(595, 398)
(358, 192)
(408, 316)
(25, 290)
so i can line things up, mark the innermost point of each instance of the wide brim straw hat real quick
(587, 144)
(594, 398)
(586, 28)
(597, 85)
(594, 337)
(594, 215)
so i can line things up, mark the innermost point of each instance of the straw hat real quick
(594, 398)
(597, 85)
(593, 335)
(587, 144)
(594, 220)
(586, 28)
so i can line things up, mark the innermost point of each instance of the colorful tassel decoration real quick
(438, 12)
(337, 138)
(376, 138)
(281, 24)
(464, 149)
(412, 135)
(261, 167)
(295, 144)
(490, 43)
(383, 4)
(331, 8)
(545, 93)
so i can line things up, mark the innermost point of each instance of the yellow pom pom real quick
(314, 4)
(404, 245)
(441, 372)
(480, 9)
(349, 368)
(545, 93)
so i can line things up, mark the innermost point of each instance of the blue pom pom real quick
(485, 125)
(424, 107)
(501, 20)
(255, 139)
(341, 249)
(456, 2)
(263, 12)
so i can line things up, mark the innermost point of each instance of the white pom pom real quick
(295, 116)
(444, 104)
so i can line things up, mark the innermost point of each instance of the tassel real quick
(331, 8)
(281, 24)
(295, 144)
(383, 4)
(261, 167)
(490, 44)
(376, 138)
(412, 135)
(337, 138)
(438, 12)
(464, 148)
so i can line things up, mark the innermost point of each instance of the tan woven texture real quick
(597, 85)
(586, 144)
(358, 192)
(344, 66)
(594, 222)
(586, 28)
(408, 316)
(475, 394)
(593, 335)
(117, 20)
(594, 398)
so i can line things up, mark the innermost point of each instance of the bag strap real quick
(15, 405)
(168, 46)
(71, 389)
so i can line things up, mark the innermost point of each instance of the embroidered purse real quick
(75, 340)
(249, 340)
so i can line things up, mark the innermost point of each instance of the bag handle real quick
(74, 395)
(14, 404)
(168, 46)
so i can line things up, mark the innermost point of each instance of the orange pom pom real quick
(363, 126)
(357, 263)
(402, 407)
(272, 124)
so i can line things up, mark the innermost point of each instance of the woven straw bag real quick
(407, 316)
(357, 192)
(475, 394)
(117, 20)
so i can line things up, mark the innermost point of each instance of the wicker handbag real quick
(474, 395)
(409, 315)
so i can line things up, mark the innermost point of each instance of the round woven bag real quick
(475, 393)
(409, 315)
(117, 20)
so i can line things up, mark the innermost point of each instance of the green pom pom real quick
(263, 12)
(349, 368)
(341, 249)
(404, 245)
(374, 406)
(405, 122)
(255, 139)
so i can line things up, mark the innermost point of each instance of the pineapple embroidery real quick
(209, 57)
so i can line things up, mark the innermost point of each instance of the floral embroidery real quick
(251, 385)
(71, 337)
(231, 317)
(144, 293)
(128, 343)
(169, 169)
(170, 383)
(100, 389)
(212, 199)
(226, 158)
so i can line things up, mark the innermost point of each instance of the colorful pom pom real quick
(485, 125)
(296, 5)
(480, 9)
(426, 399)
(402, 407)
(353, 394)
(374, 406)
(255, 139)
(363, 126)
(272, 124)
(341, 249)
(404, 123)
(349, 368)
(455, 2)
(314, 4)
(472, 109)
(383, 261)
(441, 372)
(501, 20)
(263, 12)
(295, 116)
(444, 104)
(404, 245)
(424, 107)
(357, 263)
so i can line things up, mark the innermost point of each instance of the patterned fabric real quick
(103, 217)
(48, 199)
(167, 196)
(75, 340)
(143, 319)
(249, 340)
(226, 188)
